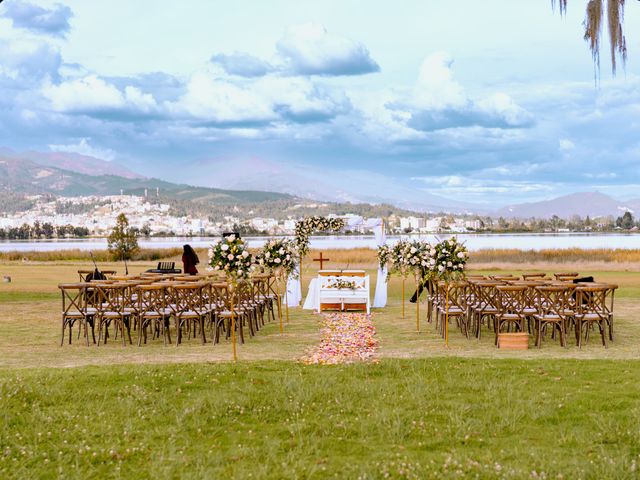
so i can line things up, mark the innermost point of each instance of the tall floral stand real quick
(232, 288)
(417, 303)
(403, 282)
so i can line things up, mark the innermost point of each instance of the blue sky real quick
(487, 103)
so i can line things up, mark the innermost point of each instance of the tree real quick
(122, 241)
(593, 21)
(146, 229)
(626, 221)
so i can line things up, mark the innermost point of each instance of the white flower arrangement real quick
(343, 284)
(308, 225)
(450, 259)
(230, 255)
(278, 255)
(384, 256)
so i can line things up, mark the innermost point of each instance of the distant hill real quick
(73, 162)
(594, 204)
(20, 175)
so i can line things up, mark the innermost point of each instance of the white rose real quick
(240, 272)
(230, 256)
(449, 264)
(460, 254)
(224, 248)
(413, 250)
(440, 268)
(245, 254)
(432, 251)
(281, 251)
(277, 260)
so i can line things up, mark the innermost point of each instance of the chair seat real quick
(591, 317)
(509, 316)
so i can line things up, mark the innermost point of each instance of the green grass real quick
(436, 418)
(423, 411)
(27, 296)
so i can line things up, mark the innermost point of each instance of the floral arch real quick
(309, 225)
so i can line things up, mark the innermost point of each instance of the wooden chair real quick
(512, 301)
(153, 311)
(188, 309)
(533, 276)
(485, 307)
(452, 305)
(109, 306)
(74, 309)
(566, 276)
(591, 308)
(555, 309)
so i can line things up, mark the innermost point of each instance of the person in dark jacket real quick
(190, 260)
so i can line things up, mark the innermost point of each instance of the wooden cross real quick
(321, 260)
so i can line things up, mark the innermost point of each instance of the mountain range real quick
(71, 174)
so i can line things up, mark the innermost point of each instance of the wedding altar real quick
(340, 290)
(294, 287)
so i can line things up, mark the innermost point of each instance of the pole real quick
(300, 274)
(403, 280)
(233, 324)
(446, 319)
(417, 305)
(280, 309)
(286, 301)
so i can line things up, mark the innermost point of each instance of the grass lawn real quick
(419, 411)
(429, 418)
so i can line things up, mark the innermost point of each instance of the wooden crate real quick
(513, 341)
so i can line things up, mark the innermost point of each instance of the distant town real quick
(96, 215)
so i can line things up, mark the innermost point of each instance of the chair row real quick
(197, 307)
(534, 305)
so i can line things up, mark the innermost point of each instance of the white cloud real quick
(566, 145)
(83, 94)
(50, 21)
(93, 95)
(438, 102)
(28, 62)
(310, 50)
(242, 64)
(217, 100)
(84, 148)
(436, 88)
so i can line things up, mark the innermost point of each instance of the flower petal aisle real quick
(346, 337)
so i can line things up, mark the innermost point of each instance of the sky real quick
(485, 103)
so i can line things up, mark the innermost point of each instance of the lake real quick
(473, 241)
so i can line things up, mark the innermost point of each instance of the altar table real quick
(322, 290)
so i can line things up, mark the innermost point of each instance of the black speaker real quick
(225, 235)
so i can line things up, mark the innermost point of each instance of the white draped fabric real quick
(294, 292)
(294, 288)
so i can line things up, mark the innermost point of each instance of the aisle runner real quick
(346, 337)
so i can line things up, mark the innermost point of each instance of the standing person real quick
(190, 260)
